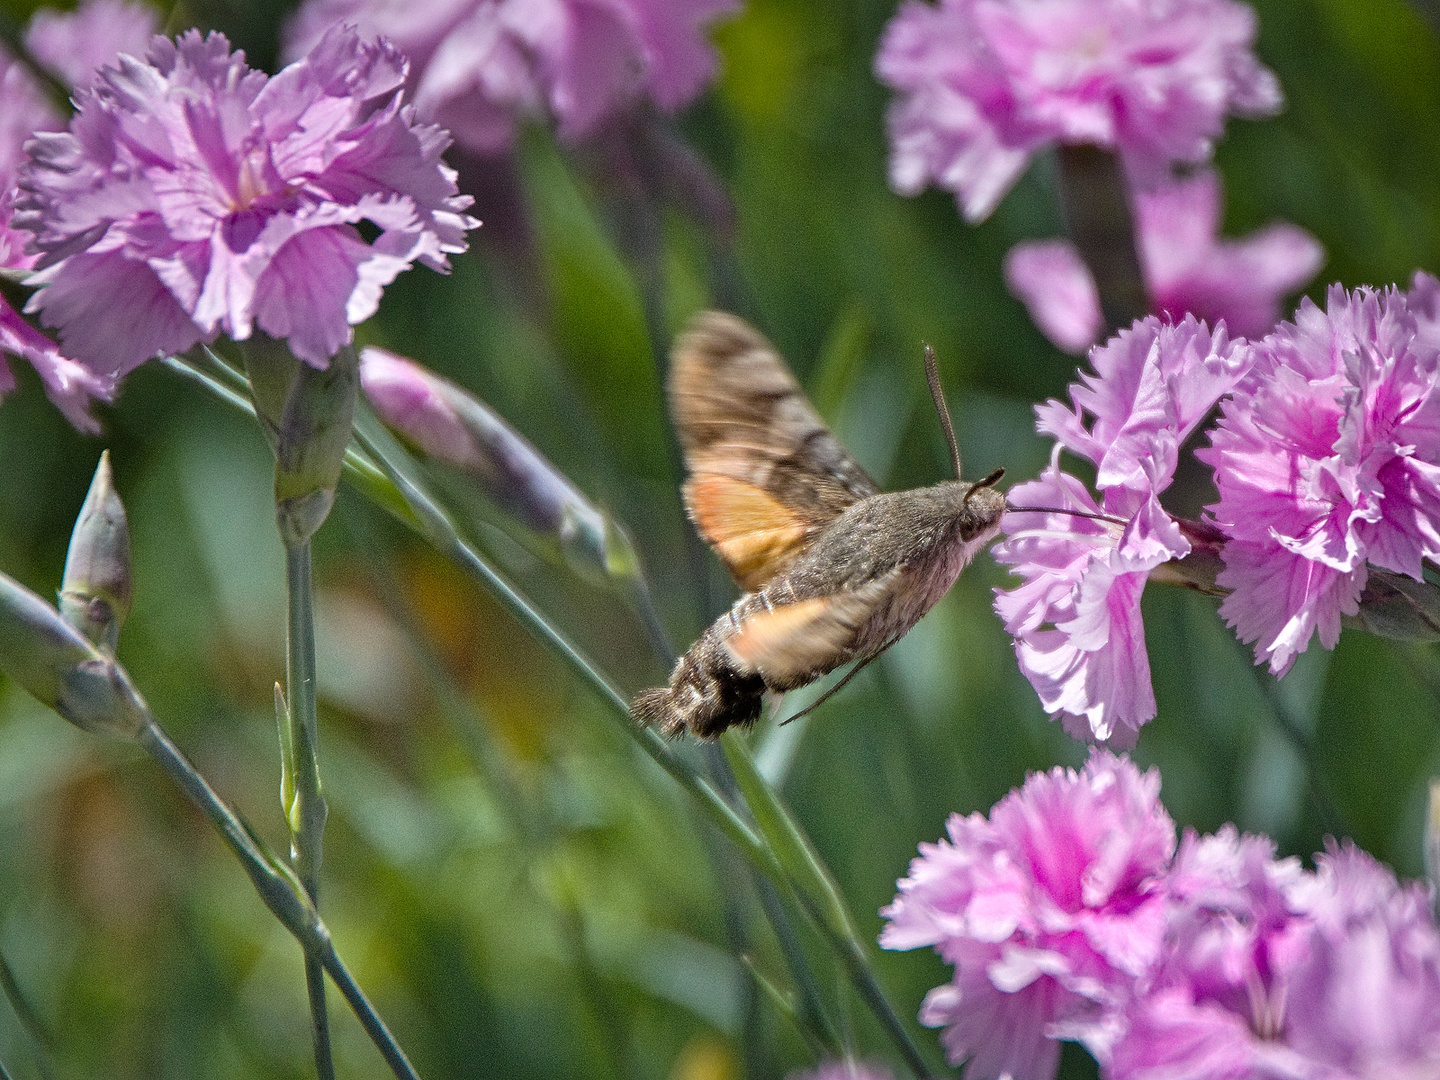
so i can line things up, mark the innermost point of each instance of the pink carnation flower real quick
(1271, 973)
(1187, 269)
(194, 196)
(983, 84)
(482, 64)
(73, 45)
(1076, 618)
(1049, 909)
(1327, 459)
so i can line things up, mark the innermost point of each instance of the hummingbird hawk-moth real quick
(834, 570)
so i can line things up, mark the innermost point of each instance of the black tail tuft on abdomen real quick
(656, 708)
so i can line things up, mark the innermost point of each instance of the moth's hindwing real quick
(765, 471)
(792, 644)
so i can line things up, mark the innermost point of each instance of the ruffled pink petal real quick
(113, 314)
(1279, 600)
(1328, 459)
(1170, 1036)
(681, 60)
(69, 386)
(1189, 270)
(1048, 910)
(982, 84)
(481, 65)
(312, 275)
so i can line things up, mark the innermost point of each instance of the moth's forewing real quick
(765, 471)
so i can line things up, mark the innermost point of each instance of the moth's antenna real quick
(1073, 513)
(932, 375)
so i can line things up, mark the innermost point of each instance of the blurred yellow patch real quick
(705, 1058)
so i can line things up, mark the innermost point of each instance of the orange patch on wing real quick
(790, 640)
(754, 534)
(791, 644)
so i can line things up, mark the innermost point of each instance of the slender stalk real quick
(365, 1012)
(810, 1014)
(308, 812)
(1097, 213)
(281, 891)
(28, 1017)
(863, 978)
(24, 1012)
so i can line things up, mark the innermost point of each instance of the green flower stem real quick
(281, 891)
(29, 1019)
(817, 894)
(810, 1013)
(791, 847)
(440, 531)
(1093, 196)
(308, 811)
(782, 1004)
(364, 1011)
(852, 954)
(817, 890)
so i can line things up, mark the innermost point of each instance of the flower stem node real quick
(96, 592)
(63, 669)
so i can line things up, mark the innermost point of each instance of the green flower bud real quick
(1398, 607)
(307, 415)
(95, 595)
(59, 665)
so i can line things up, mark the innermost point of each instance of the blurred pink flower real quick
(76, 44)
(1327, 458)
(1187, 269)
(481, 65)
(983, 84)
(193, 195)
(1076, 618)
(1049, 909)
(1271, 973)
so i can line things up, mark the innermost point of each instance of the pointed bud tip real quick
(96, 592)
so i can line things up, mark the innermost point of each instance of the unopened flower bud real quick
(95, 594)
(449, 425)
(307, 415)
(1395, 606)
(56, 663)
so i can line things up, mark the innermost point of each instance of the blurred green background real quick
(601, 938)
